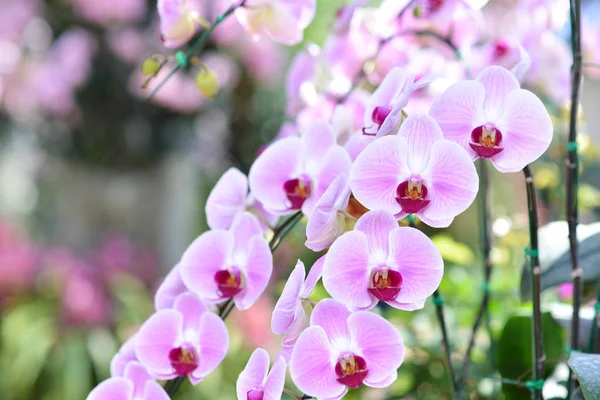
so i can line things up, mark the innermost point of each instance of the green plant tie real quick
(572, 146)
(597, 306)
(568, 351)
(535, 385)
(531, 252)
(219, 19)
(181, 59)
(485, 286)
(438, 301)
(411, 218)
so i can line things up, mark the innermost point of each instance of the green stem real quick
(196, 46)
(280, 232)
(438, 301)
(533, 253)
(596, 322)
(484, 223)
(572, 176)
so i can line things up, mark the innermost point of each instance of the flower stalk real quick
(486, 247)
(533, 253)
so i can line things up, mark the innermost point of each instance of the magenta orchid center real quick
(412, 196)
(380, 113)
(297, 191)
(351, 370)
(486, 141)
(255, 394)
(385, 284)
(184, 359)
(427, 8)
(229, 282)
(501, 48)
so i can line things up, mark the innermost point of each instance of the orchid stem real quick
(533, 252)
(282, 230)
(292, 394)
(572, 178)
(438, 301)
(485, 215)
(196, 46)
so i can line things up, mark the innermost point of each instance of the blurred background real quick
(102, 190)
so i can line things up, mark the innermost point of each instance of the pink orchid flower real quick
(492, 117)
(178, 22)
(256, 382)
(135, 384)
(283, 21)
(290, 312)
(327, 221)
(415, 172)
(293, 173)
(234, 264)
(380, 261)
(170, 288)
(229, 198)
(342, 350)
(187, 340)
(123, 358)
(383, 114)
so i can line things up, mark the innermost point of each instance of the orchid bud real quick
(206, 81)
(151, 66)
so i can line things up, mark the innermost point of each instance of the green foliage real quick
(587, 367)
(515, 353)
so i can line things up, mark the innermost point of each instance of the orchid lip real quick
(255, 394)
(412, 196)
(385, 284)
(184, 359)
(351, 370)
(297, 191)
(486, 141)
(229, 282)
(380, 113)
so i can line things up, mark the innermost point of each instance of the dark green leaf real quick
(587, 369)
(515, 355)
(559, 270)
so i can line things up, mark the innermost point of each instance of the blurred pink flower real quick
(14, 16)
(565, 291)
(18, 261)
(283, 21)
(84, 300)
(110, 12)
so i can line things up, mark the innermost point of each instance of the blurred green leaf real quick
(587, 367)
(28, 334)
(515, 353)
(453, 251)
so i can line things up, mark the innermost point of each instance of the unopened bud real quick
(151, 66)
(206, 81)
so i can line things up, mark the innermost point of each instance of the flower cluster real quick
(354, 164)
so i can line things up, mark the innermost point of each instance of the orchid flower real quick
(492, 117)
(380, 261)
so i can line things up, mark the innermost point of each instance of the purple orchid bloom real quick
(383, 114)
(492, 117)
(293, 173)
(283, 21)
(123, 358)
(229, 198)
(415, 172)
(221, 265)
(327, 222)
(256, 382)
(380, 261)
(135, 384)
(186, 340)
(342, 350)
(290, 312)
